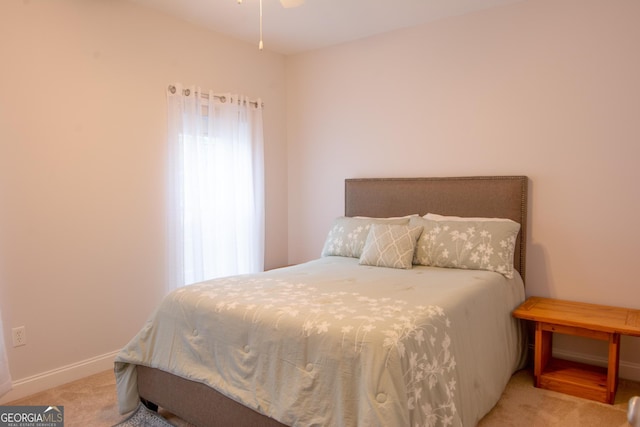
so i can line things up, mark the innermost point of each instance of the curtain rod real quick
(221, 98)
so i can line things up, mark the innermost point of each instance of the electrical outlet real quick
(19, 336)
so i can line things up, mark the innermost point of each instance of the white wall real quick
(544, 88)
(82, 152)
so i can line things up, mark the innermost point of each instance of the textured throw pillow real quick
(390, 245)
(348, 234)
(474, 243)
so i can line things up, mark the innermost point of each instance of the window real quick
(216, 224)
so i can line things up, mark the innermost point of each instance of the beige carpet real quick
(92, 402)
(524, 405)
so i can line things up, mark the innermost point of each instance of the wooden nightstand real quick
(587, 320)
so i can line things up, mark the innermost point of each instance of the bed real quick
(338, 341)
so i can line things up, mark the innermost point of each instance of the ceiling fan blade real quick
(291, 3)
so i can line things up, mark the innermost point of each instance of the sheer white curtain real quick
(5, 377)
(216, 222)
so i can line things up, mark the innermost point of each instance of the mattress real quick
(332, 342)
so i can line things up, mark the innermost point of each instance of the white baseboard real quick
(56, 377)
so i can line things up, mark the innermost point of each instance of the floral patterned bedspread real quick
(334, 343)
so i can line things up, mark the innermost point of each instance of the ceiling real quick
(317, 23)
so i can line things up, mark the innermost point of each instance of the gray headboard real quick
(477, 196)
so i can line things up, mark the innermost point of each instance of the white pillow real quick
(437, 217)
(390, 245)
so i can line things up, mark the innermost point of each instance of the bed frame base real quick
(195, 402)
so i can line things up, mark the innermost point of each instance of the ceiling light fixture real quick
(285, 4)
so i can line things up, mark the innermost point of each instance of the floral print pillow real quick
(474, 243)
(348, 235)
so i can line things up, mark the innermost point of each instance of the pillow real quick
(390, 245)
(348, 234)
(437, 217)
(473, 243)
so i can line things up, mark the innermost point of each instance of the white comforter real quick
(334, 343)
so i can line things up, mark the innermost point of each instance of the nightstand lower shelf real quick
(576, 379)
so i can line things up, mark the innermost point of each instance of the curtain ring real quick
(172, 89)
(187, 92)
(223, 99)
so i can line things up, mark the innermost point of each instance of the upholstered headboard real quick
(478, 196)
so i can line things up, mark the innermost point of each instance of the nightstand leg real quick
(614, 363)
(542, 354)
